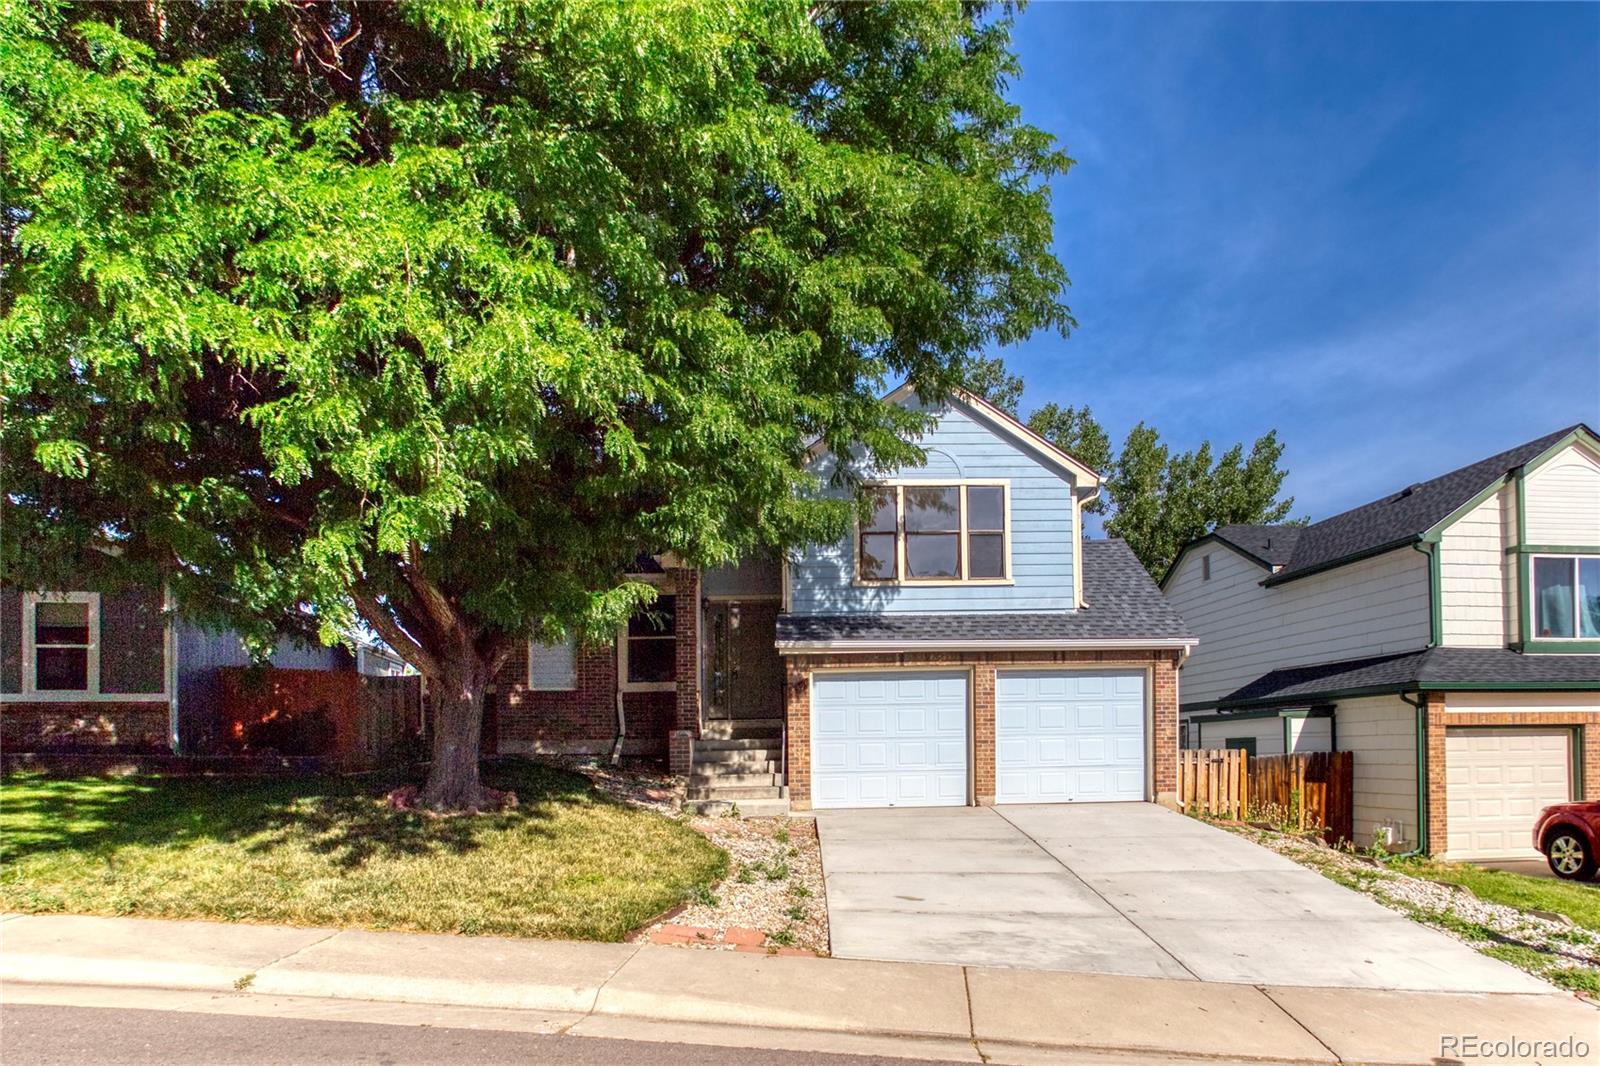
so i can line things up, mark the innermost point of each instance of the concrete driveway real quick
(1119, 888)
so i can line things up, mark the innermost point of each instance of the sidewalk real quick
(646, 992)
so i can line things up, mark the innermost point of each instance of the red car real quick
(1569, 836)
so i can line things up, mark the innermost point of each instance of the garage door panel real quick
(892, 739)
(1064, 735)
(1498, 780)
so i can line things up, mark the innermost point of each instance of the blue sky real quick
(1375, 228)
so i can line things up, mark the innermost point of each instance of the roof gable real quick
(1006, 428)
(1406, 516)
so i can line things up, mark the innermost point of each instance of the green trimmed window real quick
(1566, 597)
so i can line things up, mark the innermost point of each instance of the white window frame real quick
(902, 577)
(30, 659)
(1533, 591)
(571, 647)
(665, 586)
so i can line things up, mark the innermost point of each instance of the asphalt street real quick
(44, 1035)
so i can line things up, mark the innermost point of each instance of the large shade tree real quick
(431, 316)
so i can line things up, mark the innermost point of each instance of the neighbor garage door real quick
(1069, 735)
(889, 738)
(1496, 781)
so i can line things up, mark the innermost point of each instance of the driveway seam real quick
(972, 1021)
(1074, 874)
(594, 1004)
(1271, 999)
(292, 954)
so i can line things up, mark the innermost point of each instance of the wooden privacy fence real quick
(349, 721)
(390, 722)
(1312, 790)
(1213, 782)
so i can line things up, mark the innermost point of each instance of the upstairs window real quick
(651, 644)
(1566, 597)
(934, 533)
(62, 651)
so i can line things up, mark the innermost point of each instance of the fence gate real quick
(1313, 790)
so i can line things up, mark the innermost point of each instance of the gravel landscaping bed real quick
(774, 887)
(772, 899)
(653, 791)
(1546, 945)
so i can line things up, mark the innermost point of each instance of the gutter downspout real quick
(1420, 705)
(622, 717)
(1435, 605)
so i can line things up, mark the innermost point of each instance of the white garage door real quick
(1496, 781)
(883, 738)
(1069, 735)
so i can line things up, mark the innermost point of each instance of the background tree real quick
(435, 315)
(988, 377)
(1157, 501)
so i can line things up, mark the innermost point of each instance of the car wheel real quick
(1569, 855)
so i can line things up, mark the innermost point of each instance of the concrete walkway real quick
(682, 994)
(1119, 888)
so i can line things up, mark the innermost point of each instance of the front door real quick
(745, 675)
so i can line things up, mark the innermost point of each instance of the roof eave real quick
(1217, 538)
(850, 647)
(1283, 577)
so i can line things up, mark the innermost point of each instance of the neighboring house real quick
(89, 669)
(965, 645)
(1448, 634)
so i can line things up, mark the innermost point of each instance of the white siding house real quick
(1460, 615)
(1377, 606)
(1477, 587)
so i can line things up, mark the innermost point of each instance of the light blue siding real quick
(960, 446)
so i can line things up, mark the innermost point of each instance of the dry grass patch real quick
(568, 862)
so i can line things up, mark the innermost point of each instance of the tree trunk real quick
(457, 696)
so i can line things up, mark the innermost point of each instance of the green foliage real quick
(1157, 501)
(1161, 501)
(440, 314)
(989, 378)
(1075, 430)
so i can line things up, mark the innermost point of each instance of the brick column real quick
(680, 752)
(686, 713)
(1164, 727)
(797, 710)
(1438, 808)
(1589, 736)
(983, 786)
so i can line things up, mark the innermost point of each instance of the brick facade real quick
(1163, 697)
(686, 707)
(583, 720)
(1584, 723)
(137, 726)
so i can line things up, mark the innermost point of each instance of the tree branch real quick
(434, 603)
(383, 623)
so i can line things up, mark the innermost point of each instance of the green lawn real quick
(567, 863)
(1578, 901)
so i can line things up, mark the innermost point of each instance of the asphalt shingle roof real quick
(1404, 514)
(1121, 602)
(1273, 545)
(1432, 668)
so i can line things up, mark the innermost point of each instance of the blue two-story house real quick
(964, 645)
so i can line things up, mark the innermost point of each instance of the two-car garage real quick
(906, 738)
